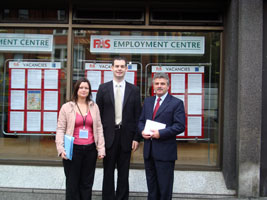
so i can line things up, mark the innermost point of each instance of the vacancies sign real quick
(26, 42)
(183, 45)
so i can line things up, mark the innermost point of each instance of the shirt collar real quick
(162, 97)
(122, 83)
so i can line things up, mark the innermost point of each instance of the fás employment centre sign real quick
(26, 42)
(181, 45)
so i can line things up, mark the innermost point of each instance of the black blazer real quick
(130, 114)
(171, 112)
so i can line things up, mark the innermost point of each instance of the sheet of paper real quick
(95, 79)
(34, 100)
(194, 104)
(17, 78)
(16, 121)
(50, 121)
(194, 126)
(17, 99)
(181, 97)
(34, 79)
(194, 83)
(33, 121)
(51, 100)
(129, 77)
(51, 79)
(153, 125)
(108, 76)
(178, 83)
(181, 134)
(94, 96)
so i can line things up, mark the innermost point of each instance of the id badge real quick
(83, 133)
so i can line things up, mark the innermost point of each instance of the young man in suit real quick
(160, 148)
(120, 107)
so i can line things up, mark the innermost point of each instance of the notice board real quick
(34, 96)
(187, 84)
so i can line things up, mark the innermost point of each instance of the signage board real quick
(26, 42)
(182, 45)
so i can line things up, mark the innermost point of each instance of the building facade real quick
(213, 52)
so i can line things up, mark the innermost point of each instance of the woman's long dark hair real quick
(76, 88)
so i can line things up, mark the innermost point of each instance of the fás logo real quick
(101, 43)
(16, 64)
(158, 68)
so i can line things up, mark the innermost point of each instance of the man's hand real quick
(135, 146)
(101, 157)
(155, 134)
(146, 136)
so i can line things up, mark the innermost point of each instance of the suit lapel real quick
(164, 105)
(110, 91)
(151, 107)
(126, 93)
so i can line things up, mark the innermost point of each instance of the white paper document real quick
(194, 83)
(129, 77)
(153, 125)
(18, 78)
(94, 96)
(179, 96)
(194, 126)
(108, 76)
(17, 99)
(51, 79)
(34, 79)
(178, 83)
(16, 121)
(50, 121)
(50, 100)
(95, 79)
(33, 121)
(195, 104)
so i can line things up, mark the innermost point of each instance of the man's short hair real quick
(119, 58)
(161, 75)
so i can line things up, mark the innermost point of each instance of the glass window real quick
(195, 150)
(29, 85)
(33, 15)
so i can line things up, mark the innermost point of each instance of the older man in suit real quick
(160, 148)
(120, 108)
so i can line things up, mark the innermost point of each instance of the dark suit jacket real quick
(130, 114)
(171, 112)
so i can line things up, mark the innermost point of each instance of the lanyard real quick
(84, 119)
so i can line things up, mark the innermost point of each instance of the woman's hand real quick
(63, 155)
(100, 157)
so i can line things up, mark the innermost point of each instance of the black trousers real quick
(80, 172)
(116, 157)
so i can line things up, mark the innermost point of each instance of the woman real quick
(80, 118)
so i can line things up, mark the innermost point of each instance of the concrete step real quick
(49, 194)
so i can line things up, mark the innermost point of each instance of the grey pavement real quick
(42, 182)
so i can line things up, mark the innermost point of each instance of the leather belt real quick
(118, 126)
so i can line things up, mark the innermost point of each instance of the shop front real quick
(44, 51)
